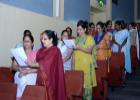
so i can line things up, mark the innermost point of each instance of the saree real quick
(84, 62)
(29, 79)
(120, 36)
(51, 73)
(102, 45)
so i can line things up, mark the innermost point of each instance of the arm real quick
(15, 66)
(120, 47)
(114, 42)
(85, 49)
(69, 53)
(32, 64)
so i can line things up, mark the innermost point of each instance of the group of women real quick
(47, 65)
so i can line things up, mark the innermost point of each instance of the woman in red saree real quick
(51, 71)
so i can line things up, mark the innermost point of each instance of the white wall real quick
(13, 21)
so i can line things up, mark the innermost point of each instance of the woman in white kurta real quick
(122, 39)
(24, 74)
(65, 51)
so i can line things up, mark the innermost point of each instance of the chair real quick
(6, 74)
(32, 92)
(101, 91)
(74, 84)
(134, 60)
(8, 91)
(116, 75)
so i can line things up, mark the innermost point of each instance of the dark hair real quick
(64, 32)
(133, 24)
(91, 23)
(83, 24)
(118, 22)
(30, 36)
(69, 29)
(101, 24)
(27, 31)
(107, 23)
(52, 35)
(123, 25)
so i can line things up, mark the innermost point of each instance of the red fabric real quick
(92, 33)
(51, 73)
(72, 37)
(134, 62)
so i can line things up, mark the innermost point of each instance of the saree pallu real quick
(51, 73)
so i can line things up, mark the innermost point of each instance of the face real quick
(92, 28)
(109, 26)
(46, 41)
(81, 31)
(99, 29)
(68, 30)
(130, 27)
(117, 27)
(64, 36)
(27, 43)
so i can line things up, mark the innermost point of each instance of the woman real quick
(65, 51)
(121, 43)
(134, 49)
(25, 75)
(50, 63)
(83, 59)
(92, 30)
(102, 41)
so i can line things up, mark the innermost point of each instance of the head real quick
(100, 27)
(28, 41)
(132, 25)
(69, 30)
(49, 38)
(109, 24)
(81, 28)
(118, 25)
(91, 27)
(64, 34)
(123, 25)
(138, 26)
(27, 32)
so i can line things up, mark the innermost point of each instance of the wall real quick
(13, 21)
(138, 5)
(124, 10)
(39, 6)
(75, 10)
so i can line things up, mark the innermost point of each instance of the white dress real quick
(64, 50)
(29, 79)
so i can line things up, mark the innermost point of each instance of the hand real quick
(24, 72)
(77, 47)
(30, 63)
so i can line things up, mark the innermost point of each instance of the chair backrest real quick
(32, 91)
(117, 60)
(74, 83)
(102, 69)
(6, 74)
(6, 89)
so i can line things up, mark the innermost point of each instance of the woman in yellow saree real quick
(83, 59)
